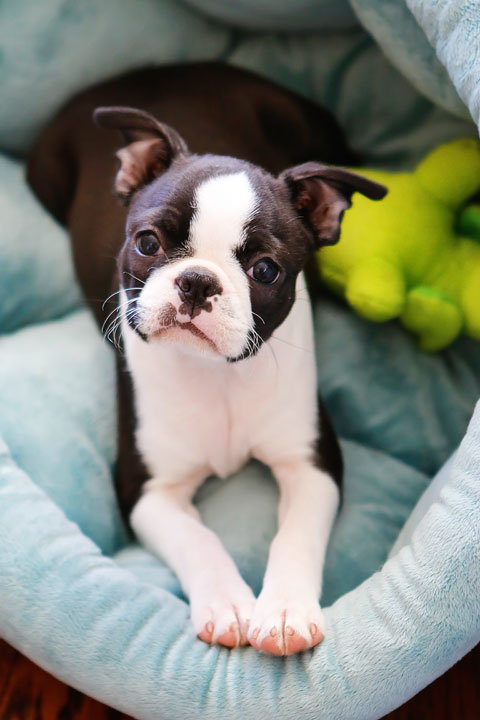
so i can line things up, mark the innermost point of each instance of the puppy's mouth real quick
(191, 328)
(169, 321)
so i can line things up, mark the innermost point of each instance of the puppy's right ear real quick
(150, 149)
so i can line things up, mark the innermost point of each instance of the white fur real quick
(200, 415)
(223, 205)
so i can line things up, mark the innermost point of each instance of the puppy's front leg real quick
(167, 523)
(287, 616)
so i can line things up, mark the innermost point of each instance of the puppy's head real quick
(214, 244)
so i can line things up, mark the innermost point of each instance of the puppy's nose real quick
(195, 285)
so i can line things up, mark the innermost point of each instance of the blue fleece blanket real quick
(101, 613)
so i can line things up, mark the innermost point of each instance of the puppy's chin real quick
(188, 337)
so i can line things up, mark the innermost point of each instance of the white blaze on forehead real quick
(223, 205)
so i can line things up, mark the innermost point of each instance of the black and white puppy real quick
(216, 333)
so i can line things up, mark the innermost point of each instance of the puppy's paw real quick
(284, 627)
(224, 617)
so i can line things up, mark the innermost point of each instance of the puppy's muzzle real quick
(196, 286)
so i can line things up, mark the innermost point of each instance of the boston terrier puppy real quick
(222, 208)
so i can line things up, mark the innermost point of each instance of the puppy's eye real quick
(264, 271)
(147, 243)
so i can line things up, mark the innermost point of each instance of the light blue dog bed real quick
(101, 613)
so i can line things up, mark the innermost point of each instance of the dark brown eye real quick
(148, 243)
(264, 271)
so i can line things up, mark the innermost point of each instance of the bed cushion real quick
(107, 617)
(76, 594)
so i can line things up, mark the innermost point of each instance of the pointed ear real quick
(321, 194)
(150, 146)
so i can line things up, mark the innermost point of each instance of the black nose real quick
(195, 286)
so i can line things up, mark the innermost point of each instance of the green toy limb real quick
(433, 316)
(451, 172)
(376, 289)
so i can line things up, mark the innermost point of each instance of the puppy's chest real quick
(191, 415)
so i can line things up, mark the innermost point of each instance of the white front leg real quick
(287, 616)
(167, 523)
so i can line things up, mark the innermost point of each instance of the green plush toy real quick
(416, 254)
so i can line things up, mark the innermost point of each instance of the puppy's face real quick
(214, 245)
(212, 253)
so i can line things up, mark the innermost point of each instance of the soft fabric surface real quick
(52, 48)
(299, 15)
(98, 611)
(435, 43)
(131, 643)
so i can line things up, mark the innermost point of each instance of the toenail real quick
(273, 631)
(313, 629)
(256, 633)
(290, 630)
(209, 627)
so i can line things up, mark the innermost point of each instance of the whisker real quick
(259, 317)
(118, 318)
(258, 344)
(118, 309)
(116, 322)
(125, 272)
(274, 356)
(114, 334)
(117, 332)
(117, 292)
(297, 347)
(256, 340)
(123, 304)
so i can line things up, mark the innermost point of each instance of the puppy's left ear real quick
(321, 194)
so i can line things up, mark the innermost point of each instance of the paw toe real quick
(207, 633)
(231, 638)
(294, 642)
